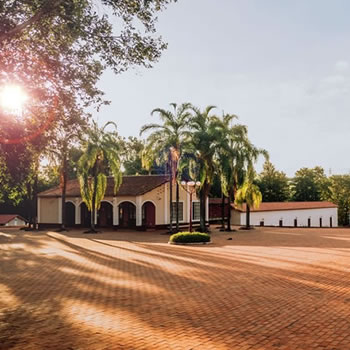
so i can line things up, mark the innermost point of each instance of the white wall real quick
(16, 222)
(272, 218)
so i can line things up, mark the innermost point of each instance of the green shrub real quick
(190, 237)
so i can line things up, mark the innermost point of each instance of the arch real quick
(127, 214)
(70, 201)
(105, 214)
(149, 200)
(148, 214)
(107, 201)
(70, 214)
(126, 201)
(85, 215)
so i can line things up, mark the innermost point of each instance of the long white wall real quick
(272, 218)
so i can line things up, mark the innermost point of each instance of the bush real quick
(189, 237)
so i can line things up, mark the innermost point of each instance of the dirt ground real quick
(269, 288)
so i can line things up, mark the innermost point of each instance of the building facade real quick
(142, 202)
(289, 214)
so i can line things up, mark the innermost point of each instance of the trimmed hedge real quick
(189, 237)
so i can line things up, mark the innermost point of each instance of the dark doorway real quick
(295, 222)
(320, 222)
(148, 215)
(281, 223)
(330, 222)
(262, 223)
(105, 215)
(309, 222)
(127, 215)
(85, 215)
(70, 214)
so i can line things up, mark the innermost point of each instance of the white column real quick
(115, 212)
(207, 209)
(38, 209)
(59, 218)
(138, 211)
(77, 212)
(166, 203)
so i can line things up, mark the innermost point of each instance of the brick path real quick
(264, 289)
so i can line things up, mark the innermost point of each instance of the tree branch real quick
(48, 7)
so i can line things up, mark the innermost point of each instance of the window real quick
(196, 213)
(181, 211)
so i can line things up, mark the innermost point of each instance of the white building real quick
(290, 214)
(11, 220)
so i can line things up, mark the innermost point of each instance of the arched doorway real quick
(105, 215)
(70, 214)
(148, 215)
(85, 215)
(127, 215)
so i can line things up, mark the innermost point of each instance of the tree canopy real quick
(310, 185)
(57, 50)
(273, 184)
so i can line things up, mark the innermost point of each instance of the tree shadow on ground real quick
(89, 294)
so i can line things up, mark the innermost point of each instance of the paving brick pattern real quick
(270, 288)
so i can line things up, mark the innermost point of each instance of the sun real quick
(12, 98)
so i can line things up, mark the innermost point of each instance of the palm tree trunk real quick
(171, 200)
(93, 209)
(177, 206)
(30, 205)
(202, 197)
(222, 212)
(35, 198)
(247, 217)
(64, 187)
(229, 211)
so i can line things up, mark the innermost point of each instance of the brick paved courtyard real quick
(264, 289)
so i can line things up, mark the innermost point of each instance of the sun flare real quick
(12, 98)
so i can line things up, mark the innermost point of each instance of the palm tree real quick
(100, 158)
(201, 143)
(227, 153)
(250, 194)
(164, 144)
(235, 155)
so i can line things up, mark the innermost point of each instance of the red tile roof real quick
(276, 206)
(5, 218)
(131, 186)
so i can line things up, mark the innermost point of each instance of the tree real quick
(100, 158)
(227, 153)
(134, 160)
(273, 184)
(199, 157)
(236, 154)
(310, 185)
(339, 194)
(250, 194)
(70, 129)
(58, 50)
(165, 144)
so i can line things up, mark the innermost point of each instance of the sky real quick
(282, 66)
